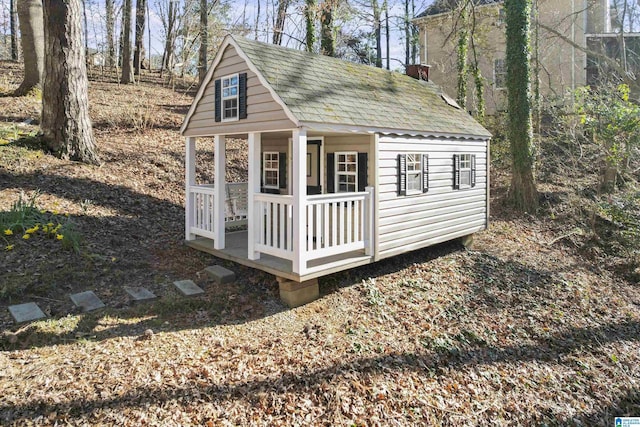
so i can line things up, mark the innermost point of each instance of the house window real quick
(501, 16)
(414, 170)
(270, 169)
(413, 173)
(465, 170)
(499, 73)
(230, 91)
(347, 172)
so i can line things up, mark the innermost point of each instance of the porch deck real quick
(236, 250)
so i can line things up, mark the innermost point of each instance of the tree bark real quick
(280, 20)
(13, 11)
(387, 35)
(110, 24)
(65, 123)
(127, 76)
(377, 31)
(31, 29)
(167, 57)
(204, 40)
(327, 42)
(310, 21)
(407, 34)
(141, 6)
(523, 192)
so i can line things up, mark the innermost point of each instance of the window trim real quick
(417, 172)
(348, 173)
(229, 97)
(503, 73)
(276, 169)
(465, 170)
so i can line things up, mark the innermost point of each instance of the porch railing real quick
(202, 209)
(335, 224)
(275, 225)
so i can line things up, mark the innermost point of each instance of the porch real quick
(296, 235)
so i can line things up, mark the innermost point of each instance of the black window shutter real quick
(456, 171)
(282, 166)
(363, 167)
(473, 170)
(425, 173)
(331, 173)
(218, 100)
(242, 96)
(402, 174)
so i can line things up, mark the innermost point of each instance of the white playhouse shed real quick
(348, 164)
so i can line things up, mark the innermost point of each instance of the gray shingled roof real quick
(322, 89)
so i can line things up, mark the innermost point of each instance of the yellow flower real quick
(26, 236)
(43, 211)
(50, 225)
(8, 232)
(55, 212)
(59, 236)
(8, 247)
(45, 229)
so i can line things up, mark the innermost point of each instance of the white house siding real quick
(411, 222)
(263, 112)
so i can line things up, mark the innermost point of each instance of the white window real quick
(347, 172)
(271, 169)
(465, 170)
(230, 92)
(499, 73)
(414, 173)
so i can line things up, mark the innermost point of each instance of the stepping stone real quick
(220, 274)
(188, 288)
(87, 301)
(26, 312)
(139, 294)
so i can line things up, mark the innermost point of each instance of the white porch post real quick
(299, 157)
(219, 198)
(189, 180)
(369, 219)
(253, 214)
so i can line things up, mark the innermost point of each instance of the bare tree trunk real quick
(327, 42)
(377, 32)
(280, 20)
(65, 123)
(407, 34)
(127, 76)
(257, 21)
(414, 35)
(13, 11)
(110, 20)
(386, 33)
(204, 40)
(141, 6)
(31, 29)
(86, 28)
(167, 57)
(310, 21)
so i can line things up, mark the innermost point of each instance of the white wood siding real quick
(411, 222)
(263, 112)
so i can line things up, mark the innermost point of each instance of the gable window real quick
(347, 172)
(271, 169)
(413, 173)
(231, 98)
(230, 92)
(464, 168)
(499, 73)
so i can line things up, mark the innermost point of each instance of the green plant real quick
(24, 221)
(612, 121)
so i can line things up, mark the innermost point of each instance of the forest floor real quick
(525, 329)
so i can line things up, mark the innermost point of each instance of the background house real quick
(573, 37)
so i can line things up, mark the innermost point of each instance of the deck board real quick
(236, 250)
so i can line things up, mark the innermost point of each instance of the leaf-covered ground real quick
(522, 330)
